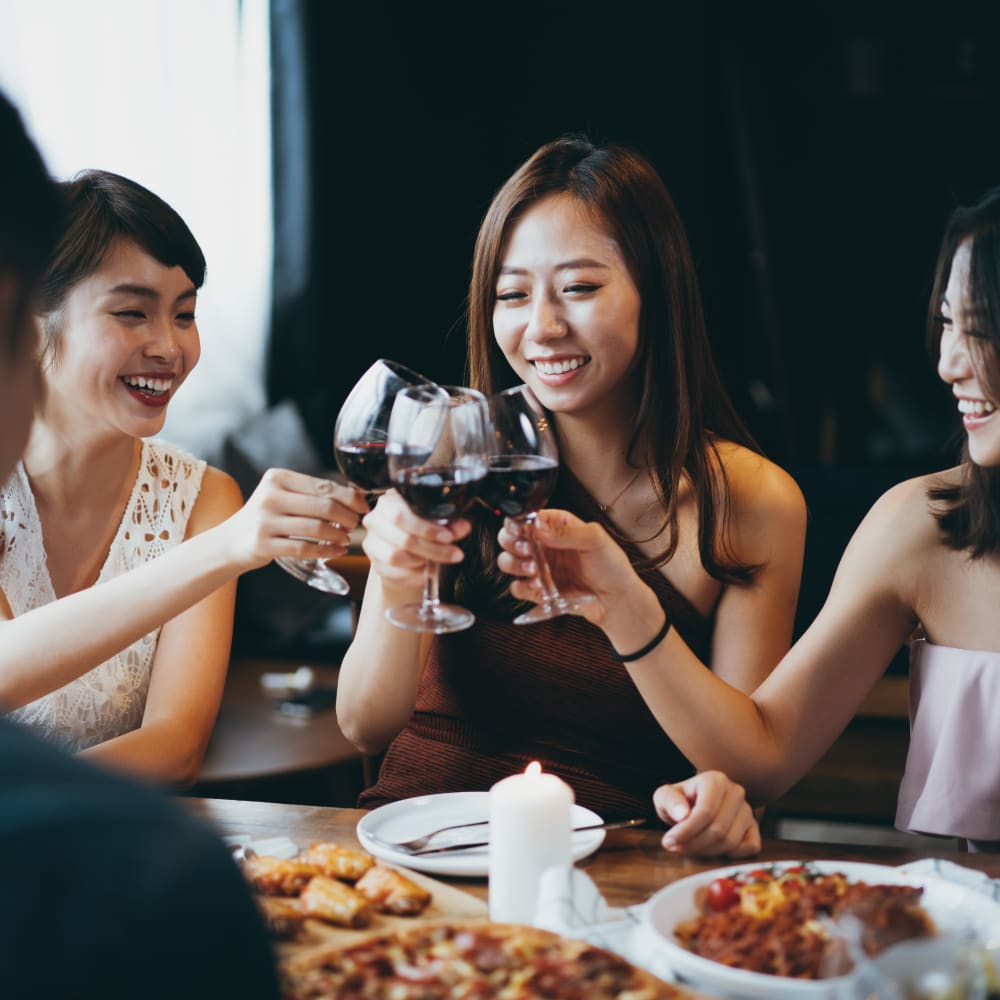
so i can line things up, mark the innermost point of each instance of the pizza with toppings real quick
(470, 961)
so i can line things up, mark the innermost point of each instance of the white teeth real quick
(157, 385)
(977, 407)
(558, 367)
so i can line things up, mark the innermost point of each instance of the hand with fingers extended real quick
(289, 513)
(582, 556)
(708, 815)
(399, 544)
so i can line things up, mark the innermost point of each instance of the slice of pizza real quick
(481, 960)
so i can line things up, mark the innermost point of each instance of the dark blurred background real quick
(814, 153)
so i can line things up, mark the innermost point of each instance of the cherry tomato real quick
(760, 875)
(723, 893)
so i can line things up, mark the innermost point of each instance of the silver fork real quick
(419, 845)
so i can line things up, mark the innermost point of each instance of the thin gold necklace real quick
(605, 507)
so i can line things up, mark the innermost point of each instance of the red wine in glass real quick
(439, 493)
(518, 484)
(438, 451)
(522, 474)
(364, 464)
(359, 442)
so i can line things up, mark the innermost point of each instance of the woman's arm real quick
(766, 742)
(188, 670)
(52, 645)
(377, 686)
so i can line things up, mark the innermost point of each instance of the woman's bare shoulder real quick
(907, 507)
(900, 535)
(218, 498)
(757, 486)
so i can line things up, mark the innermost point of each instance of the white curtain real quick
(174, 94)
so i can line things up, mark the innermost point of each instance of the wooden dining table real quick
(629, 866)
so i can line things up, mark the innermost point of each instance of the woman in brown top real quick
(584, 288)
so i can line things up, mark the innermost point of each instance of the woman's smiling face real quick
(127, 341)
(567, 310)
(968, 363)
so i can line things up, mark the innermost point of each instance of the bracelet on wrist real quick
(648, 648)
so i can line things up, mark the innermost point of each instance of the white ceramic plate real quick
(410, 818)
(953, 908)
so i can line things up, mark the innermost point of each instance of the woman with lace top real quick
(584, 288)
(923, 567)
(115, 636)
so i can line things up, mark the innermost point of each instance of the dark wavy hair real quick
(30, 216)
(100, 207)
(969, 512)
(683, 406)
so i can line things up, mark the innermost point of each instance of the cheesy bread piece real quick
(390, 891)
(276, 876)
(336, 861)
(282, 914)
(333, 901)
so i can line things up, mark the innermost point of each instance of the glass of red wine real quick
(359, 441)
(438, 450)
(523, 466)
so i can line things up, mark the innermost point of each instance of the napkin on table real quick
(569, 903)
(273, 847)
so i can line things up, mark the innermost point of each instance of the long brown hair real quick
(969, 512)
(683, 406)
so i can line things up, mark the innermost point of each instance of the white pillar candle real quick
(530, 830)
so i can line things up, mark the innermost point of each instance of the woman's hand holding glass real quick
(288, 514)
(524, 464)
(359, 443)
(438, 448)
(584, 558)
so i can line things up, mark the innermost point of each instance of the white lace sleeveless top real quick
(110, 699)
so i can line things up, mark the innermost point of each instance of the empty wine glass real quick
(438, 451)
(523, 465)
(359, 440)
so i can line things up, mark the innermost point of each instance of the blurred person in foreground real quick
(109, 889)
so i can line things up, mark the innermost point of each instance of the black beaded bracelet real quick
(648, 648)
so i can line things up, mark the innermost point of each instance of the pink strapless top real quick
(952, 781)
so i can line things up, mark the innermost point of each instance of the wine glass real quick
(438, 450)
(523, 466)
(359, 446)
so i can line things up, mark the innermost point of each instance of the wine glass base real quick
(439, 618)
(316, 573)
(575, 605)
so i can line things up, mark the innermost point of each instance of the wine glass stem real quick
(550, 595)
(432, 600)
(432, 597)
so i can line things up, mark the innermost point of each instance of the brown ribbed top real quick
(499, 695)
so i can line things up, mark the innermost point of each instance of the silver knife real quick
(617, 824)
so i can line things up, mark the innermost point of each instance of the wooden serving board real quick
(447, 903)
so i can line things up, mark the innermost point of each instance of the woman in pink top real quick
(924, 565)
